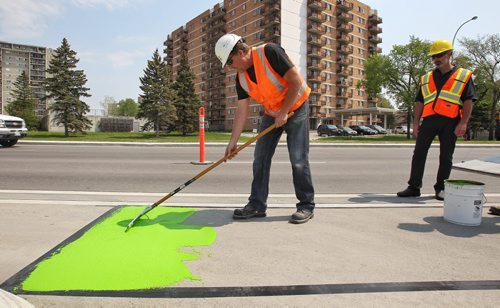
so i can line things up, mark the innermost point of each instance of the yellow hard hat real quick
(440, 46)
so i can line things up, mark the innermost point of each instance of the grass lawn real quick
(222, 137)
(129, 137)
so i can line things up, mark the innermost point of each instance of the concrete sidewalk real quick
(365, 253)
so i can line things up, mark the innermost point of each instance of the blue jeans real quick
(297, 129)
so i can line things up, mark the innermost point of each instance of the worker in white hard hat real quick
(444, 103)
(266, 74)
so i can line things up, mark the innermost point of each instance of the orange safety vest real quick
(270, 89)
(448, 102)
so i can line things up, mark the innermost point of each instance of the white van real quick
(11, 130)
(402, 130)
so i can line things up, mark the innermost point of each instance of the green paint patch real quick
(149, 255)
(463, 182)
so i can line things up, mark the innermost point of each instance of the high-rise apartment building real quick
(328, 40)
(16, 58)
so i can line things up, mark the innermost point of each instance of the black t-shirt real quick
(279, 61)
(440, 79)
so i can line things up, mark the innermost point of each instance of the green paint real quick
(463, 182)
(149, 255)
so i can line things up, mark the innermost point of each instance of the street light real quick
(453, 42)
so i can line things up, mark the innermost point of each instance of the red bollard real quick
(201, 119)
(202, 133)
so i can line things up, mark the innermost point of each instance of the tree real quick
(377, 67)
(24, 103)
(124, 108)
(399, 73)
(484, 56)
(157, 101)
(187, 102)
(65, 86)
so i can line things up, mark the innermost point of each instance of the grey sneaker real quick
(248, 212)
(301, 216)
(440, 195)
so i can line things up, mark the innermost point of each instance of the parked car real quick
(346, 131)
(363, 130)
(328, 129)
(403, 130)
(11, 129)
(378, 128)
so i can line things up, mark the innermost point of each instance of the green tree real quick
(479, 119)
(377, 67)
(125, 108)
(24, 103)
(157, 101)
(187, 102)
(399, 73)
(65, 86)
(484, 56)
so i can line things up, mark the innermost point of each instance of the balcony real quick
(272, 8)
(344, 60)
(343, 83)
(317, 17)
(374, 30)
(341, 94)
(374, 19)
(314, 40)
(372, 49)
(344, 39)
(344, 5)
(314, 65)
(313, 78)
(316, 5)
(342, 72)
(345, 50)
(271, 21)
(314, 53)
(344, 27)
(316, 28)
(345, 17)
(270, 34)
(374, 39)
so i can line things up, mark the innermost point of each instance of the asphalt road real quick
(364, 248)
(160, 169)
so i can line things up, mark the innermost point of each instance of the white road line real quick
(206, 195)
(218, 205)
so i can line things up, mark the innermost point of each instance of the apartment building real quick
(16, 58)
(328, 40)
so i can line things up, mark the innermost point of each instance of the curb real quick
(223, 144)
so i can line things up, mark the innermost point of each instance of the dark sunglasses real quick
(230, 57)
(439, 55)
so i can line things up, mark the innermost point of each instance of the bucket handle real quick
(484, 199)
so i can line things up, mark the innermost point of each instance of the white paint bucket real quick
(463, 202)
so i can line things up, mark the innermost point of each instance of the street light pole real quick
(453, 42)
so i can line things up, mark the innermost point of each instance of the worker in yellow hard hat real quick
(440, 46)
(443, 108)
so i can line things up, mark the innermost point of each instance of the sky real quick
(114, 39)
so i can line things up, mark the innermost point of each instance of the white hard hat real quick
(225, 45)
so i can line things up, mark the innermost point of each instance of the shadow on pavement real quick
(489, 225)
(222, 217)
(368, 198)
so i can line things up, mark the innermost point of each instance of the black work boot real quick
(248, 212)
(301, 216)
(409, 192)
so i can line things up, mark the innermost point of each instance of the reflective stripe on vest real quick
(272, 88)
(448, 101)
